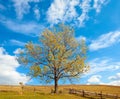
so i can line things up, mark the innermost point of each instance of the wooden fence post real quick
(101, 95)
(116, 97)
(34, 90)
(95, 93)
(70, 91)
(83, 93)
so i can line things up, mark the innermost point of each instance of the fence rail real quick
(100, 95)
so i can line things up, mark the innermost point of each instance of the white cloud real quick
(62, 10)
(71, 11)
(65, 11)
(116, 77)
(116, 83)
(115, 80)
(18, 50)
(37, 13)
(8, 66)
(17, 43)
(81, 38)
(13, 42)
(98, 4)
(2, 51)
(85, 7)
(101, 65)
(105, 40)
(95, 79)
(22, 7)
(35, 1)
(82, 18)
(27, 28)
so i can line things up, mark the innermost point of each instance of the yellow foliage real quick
(58, 55)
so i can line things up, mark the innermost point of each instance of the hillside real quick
(63, 88)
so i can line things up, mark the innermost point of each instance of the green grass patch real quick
(41, 96)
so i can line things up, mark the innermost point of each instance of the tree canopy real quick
(57, 55)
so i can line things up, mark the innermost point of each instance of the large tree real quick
(57, 55)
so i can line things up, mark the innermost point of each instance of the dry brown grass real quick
(96, 88)
(47, 89)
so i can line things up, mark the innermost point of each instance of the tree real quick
(21, 85)
(57, 55)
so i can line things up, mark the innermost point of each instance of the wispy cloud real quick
(62, 10)
(8, 66)
(98, 4)
(75, 12)
(27, 28)
(116, 77)
(17, 43)
(105, 40)
(37, 13)
(81, 38)
(22, 7)
(85, 7)
(65, 11)
(102, 65)
(13, 42)
(95, 79)
(115, 80)
(18, 50)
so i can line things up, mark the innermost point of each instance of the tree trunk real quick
(56, 85)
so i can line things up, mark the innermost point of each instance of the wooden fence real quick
(93, 95)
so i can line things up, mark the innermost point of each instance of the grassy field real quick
(36, 95)
(44, 92)
(40, 96)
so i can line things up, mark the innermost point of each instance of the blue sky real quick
(96, 21)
